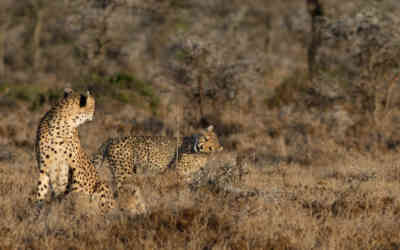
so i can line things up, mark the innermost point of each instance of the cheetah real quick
(131, 154)
(63, 164)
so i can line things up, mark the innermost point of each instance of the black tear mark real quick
(66, 93)
(82, 101)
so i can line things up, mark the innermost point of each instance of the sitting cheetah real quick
(63, 164)
(128, 155)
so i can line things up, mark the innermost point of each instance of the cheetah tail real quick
(99, 157)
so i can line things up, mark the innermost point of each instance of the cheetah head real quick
(76, 108)
(208, 142)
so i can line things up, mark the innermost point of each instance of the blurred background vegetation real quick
(304, 95)
(278, 78)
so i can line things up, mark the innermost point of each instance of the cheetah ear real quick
(67, 92)
(82, 101)
(210, 128)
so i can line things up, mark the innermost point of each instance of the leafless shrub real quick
(358, 40)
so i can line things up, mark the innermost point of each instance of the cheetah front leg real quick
(52, 176)
(46, 177)
(59, 179)
(43, 186)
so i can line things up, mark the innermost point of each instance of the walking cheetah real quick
(128, 155)
(64, 166)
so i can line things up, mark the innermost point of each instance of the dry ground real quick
(350, 203)
(308, 164)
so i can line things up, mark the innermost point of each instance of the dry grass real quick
(237, 203)
(309, 164)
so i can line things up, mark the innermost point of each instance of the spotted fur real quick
(63, 164)
(132, 154)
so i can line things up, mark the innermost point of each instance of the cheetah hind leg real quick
(138, 204)
(122, 174)
(132, 201)
(129, 193)
(104, 197)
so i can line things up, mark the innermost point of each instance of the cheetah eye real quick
(67, 91)
(82, 101)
